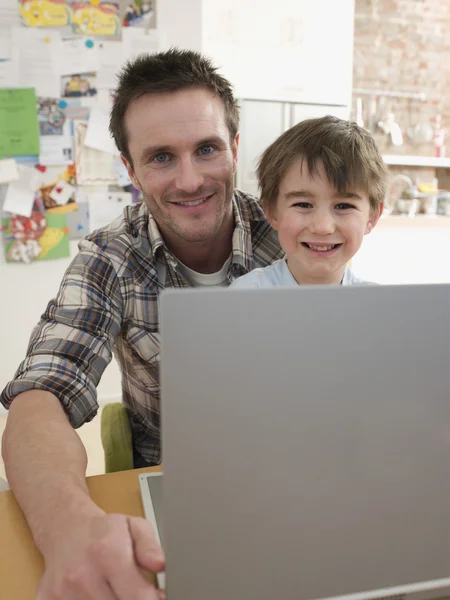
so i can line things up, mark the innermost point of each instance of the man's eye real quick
(160, 158)
(204, 150)
(302, 205)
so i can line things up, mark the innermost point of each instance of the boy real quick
(323, 183)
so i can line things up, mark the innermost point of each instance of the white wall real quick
(24, 293)
(270, 50)
(401, 250)
(180, 23)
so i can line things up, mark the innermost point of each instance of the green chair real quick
(116, 438)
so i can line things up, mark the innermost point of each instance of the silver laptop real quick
(306, 443)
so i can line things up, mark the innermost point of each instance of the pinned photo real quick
(78, 85)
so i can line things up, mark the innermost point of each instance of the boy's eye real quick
(344, 206)
(303, 205)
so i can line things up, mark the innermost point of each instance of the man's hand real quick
(100, 559)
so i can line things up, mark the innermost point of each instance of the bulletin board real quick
(61, 176)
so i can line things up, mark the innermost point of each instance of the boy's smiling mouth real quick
(321, 248)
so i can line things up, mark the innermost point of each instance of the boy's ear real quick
(271, 214)
(374, 218)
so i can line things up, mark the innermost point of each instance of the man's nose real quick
(189, 177)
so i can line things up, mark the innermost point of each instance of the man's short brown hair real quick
(169, 71)
(349, 155)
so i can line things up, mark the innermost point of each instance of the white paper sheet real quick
(62, 192)
(111, 60)
(55, 128)
(32, 53)
(20, 195)
(97, 135)
(8, 73)
(93, 166)
(56, 150)
(8, 170)
(9, 17)
(103, 100)
(73, 55)
(104, 208)
(138, 41)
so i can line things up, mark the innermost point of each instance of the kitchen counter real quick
(425, 221)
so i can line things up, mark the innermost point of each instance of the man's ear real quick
(271, 213)
(234, 150)
(130, 172)
(374, 218)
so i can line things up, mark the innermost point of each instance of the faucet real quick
(395, 190)
(401, 177)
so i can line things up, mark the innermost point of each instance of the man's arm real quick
(87, 554)
(45, 464)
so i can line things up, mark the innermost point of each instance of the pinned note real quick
(21, 193)
(32, 53)
(93, 166)
(18, 123)
(104, 208)
(8, 171)
(45, 13)
(62, 192)
(101, 18)
(8, 73)
(97, 135)
(111, 59)
(75, 55)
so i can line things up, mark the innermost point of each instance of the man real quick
(175, 122)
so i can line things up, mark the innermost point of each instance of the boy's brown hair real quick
(349, 155)
(169, 71)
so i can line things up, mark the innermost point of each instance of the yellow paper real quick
(45, 13)
(91, 19)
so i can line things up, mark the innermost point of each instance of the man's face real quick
(183, 161)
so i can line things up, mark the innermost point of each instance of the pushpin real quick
(89, 44)
(62, 104)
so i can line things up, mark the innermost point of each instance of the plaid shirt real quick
(108, 302)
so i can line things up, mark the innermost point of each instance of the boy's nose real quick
(322, 224)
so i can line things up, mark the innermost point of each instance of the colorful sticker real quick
(38, 237)
(66, 179)
(90, 19)
(45, 13)
(137, 12)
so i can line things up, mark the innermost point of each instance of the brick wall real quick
(404, 45)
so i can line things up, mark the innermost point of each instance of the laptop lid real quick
(306, 441)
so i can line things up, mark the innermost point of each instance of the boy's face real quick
(319, 229)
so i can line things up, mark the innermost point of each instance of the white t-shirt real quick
(278, 275)
(206, 280)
